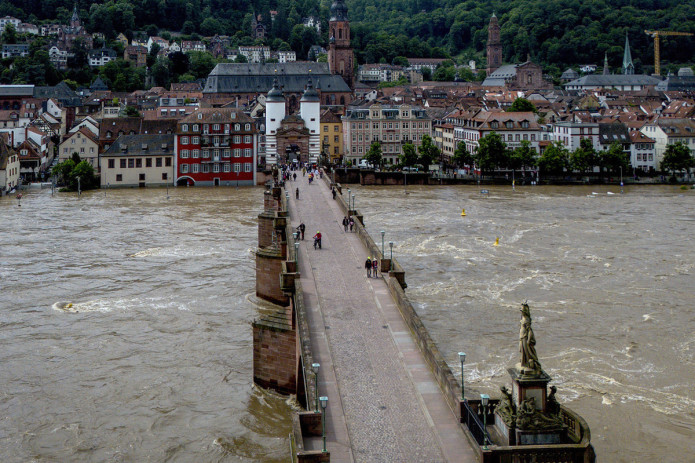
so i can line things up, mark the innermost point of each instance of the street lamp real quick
(621, 179)
(353, 202)
(79, 188)
(324, 402)
(315, 367)
(348, 201)
(296, 254)
(462, 358)
(484, 399)
(391, 258)
(382, 243)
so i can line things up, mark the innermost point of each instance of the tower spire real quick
(628, 67)
(605, 64)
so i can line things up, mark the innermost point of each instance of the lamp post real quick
(353, 202)
(382, 243)
(462, 358)
(391, 258)
(484, 399)
(79, 188)
(621, 179)
(296, 254)
(315, 368)
(324, 402)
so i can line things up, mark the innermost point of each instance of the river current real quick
(152, 362)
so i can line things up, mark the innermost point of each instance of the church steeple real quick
(340, 56)
(628, 67)
(605, 64)
(75, 20)
(494, 45)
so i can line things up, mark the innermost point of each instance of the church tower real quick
(75, 20)
(494, 46)
(340, 56)
(628, 67)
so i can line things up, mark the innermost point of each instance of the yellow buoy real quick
(497, 242)
(463, 212)
(69, 306)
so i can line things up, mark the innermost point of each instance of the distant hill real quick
(559, 32)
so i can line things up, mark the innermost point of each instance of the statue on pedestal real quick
(506, 409)
(529, 365)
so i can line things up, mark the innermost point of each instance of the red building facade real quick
(216, 146)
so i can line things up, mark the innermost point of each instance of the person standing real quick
(301, 229)
(368, 266)
(346, 222)
(375, 267)
(352, 223)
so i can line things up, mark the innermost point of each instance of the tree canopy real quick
(676, 158)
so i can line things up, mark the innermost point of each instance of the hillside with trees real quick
(555, 33)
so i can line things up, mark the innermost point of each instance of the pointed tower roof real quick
(339, 11)
(275, 94)
(628, 67)
(310, 95)
(75, 16)
(605, 64)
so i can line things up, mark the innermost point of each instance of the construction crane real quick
(657, 56)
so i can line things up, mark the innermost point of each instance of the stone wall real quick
(275, 353)
(268, 269)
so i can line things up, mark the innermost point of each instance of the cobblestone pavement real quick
(383, 403)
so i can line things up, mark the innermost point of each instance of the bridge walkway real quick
(384, 404)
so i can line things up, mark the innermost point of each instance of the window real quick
(226, 153)
(167, 162)
(216, 127)
(247, 167)
(247, 127)
(325, 128)
(195, 140)
(215, 168)
(195, 168)
(237, 139)
(247, 152)
(206, 168)
(142, 177)
(164, 175)
(138, 163)
(123, 161)
(184, 154)
(184, 140)
(112, 163)
(247, 139)
(158, 162)
(131, 163)
(148, 162)
(196, 128)
(119, 177)
(184, 168)
(335, 139)
(227, 167)
(335, 128)
(196, 153)
(237, 152)
(237, 127)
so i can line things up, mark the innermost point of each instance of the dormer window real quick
(237, 127)
(247, 127)
(494, 124)
(509, 124)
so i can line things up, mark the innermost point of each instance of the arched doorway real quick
(185, 181)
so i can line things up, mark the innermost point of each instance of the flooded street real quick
(609, 279)
(152, 361)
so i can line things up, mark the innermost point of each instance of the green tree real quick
(554, 159)
(240, 59)
(132, 111)
(466, 75)
(676, 158)
(152, 54)
(374, 156)
(201, 63)
(615, 158)
(428, 152)
(401, 61)
(409, 156)
(491, 153)
(62, 171)
(426, 73)
(522, 105)
(584, 157)
(523, 156)
(462, 156)
(85, 172)
(9, 35)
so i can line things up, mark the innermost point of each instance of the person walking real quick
(302, 227)
(375, 268)
(346, 222)
(352, 224)
(296, 193)
(294, 176)
(368, 266)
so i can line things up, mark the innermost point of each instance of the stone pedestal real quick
(525, 386)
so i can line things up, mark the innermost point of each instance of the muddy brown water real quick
(152, 362)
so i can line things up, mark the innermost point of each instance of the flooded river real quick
(152, 361)
(610, 282)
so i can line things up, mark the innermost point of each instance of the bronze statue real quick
(527, 343)
(530, 419)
